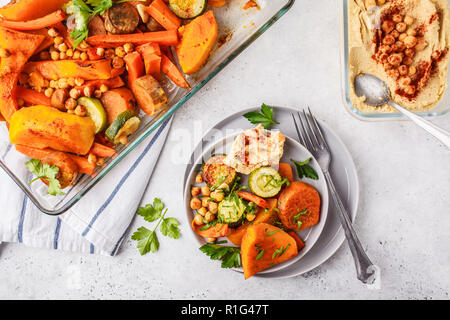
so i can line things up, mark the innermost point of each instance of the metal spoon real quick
(377, 94)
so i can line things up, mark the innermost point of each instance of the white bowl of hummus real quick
(405, 43)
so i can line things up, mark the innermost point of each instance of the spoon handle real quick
(434, 130)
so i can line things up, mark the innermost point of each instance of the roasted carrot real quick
(217, 231)
(151, 53)
(285, 170)
(102, 151)
(112, 83)
(84, 166)
(217, 3)
(260, 202)
(300, 243)
(24, 10)
(32, 97)
(39, 23)
(87, 70)
(169, 37)
(135, 66)
(169, 68)
(163, 15)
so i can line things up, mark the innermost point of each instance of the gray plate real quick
(342, 170)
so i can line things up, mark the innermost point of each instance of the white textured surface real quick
(403, 219)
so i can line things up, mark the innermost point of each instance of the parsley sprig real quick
(148, 239)
(265, 117)
(304, 170)
(230, 256)
(82, 12)
(46, 172)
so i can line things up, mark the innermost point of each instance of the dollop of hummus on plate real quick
(403, 42)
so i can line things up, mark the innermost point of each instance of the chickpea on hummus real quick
(403, 42)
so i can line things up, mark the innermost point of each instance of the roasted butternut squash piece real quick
(197, 40)
(87, 70)
(270, 216)
(19, 47)
(42, 127)
(24, 10)
(149, 94)
(263, 246)
(68, 169)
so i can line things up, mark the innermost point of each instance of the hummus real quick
(403, 42)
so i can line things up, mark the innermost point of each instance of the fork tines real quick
(309, 131)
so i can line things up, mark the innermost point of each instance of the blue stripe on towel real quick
(8, 148)
(124, 178)
(92, 249)
(119, 242)
(58, 228)
(22, 218)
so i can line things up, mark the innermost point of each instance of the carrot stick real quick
(40, 23)
(135, 66)
(112, 83)
(32, 97)
(260, 202)
(84, 166)
(172, 72)
(163, 15)
(102, 151)
(151, 52)
(300, 243)
(169, 37)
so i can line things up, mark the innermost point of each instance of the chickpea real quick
(52, 32)
(211, 240)
(63, 83)
(80, 111)
(400, 27)
(395, 59)
(195, 191)
(410, 41)
(412, 70)
(198, 220)
(399, 46)
(202, 211)
(407, 61)
(402, 36)
(397, 18)
(104, 88)
(209, 217)
(385, 48)
(100, 52)
(110, 53)
(395, 33)
(205, 201)
(403, 70)
(83, 56)
(62, 56)
(69, 53)
(389, 39)
(49, 92)
(409, 20)
(393, 73)
(117, 63)
(92, 158)
(79, 81)
(198, 178)
(410, 89)
(63, 47)
(76, 55)
(387, 66)
(404, 81)
(120, 52)
(54, 55)
(128, 47)
(381, 2)
(217, 195)
(88, 91)
(212, 207)
(410, 52)
(58, 40)
(196, 203)
(387, 26)
(101, 161)
(250, 217)
(206, 191)
(383, 57)
(97, 94)
(411, 32)
(53, 84)
(71, 104)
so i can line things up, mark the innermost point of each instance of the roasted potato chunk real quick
(215, 171)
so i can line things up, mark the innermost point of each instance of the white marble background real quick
(403, 220)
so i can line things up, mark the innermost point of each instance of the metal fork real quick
(311, 136)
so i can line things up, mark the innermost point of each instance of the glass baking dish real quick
(238, 28)
(440, 109)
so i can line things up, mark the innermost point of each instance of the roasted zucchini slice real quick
(188, 9)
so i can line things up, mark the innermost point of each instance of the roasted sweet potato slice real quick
(299, 206)
(68, 169)
(263, 246)
(116, 101)
(149, 94)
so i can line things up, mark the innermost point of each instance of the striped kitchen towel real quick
(99, 222)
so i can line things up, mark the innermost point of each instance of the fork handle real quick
(365, 269)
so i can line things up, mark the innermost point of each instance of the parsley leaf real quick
(265, 117)
(169, 228)
(230, 256)
(48, 173)
(304, 170)
(148, 239)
